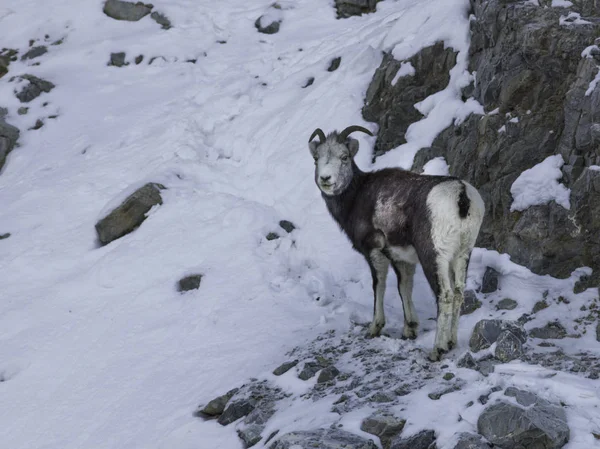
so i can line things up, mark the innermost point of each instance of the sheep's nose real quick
(325, 178)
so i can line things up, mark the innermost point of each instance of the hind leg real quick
(379, 265)
(405, 273)
(459, 271)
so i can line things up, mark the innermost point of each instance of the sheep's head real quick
(334, 158)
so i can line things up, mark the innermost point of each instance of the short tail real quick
(464, 203)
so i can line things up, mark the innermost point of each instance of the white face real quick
(333, 164)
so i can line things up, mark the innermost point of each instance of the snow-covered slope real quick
(97, 348)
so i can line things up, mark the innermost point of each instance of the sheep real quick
(394, 216)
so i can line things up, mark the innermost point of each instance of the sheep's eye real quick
(344, 158)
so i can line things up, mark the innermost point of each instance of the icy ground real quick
(97, 349)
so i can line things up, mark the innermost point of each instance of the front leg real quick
(379, 265)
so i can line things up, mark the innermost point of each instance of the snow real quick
(406, 69)
(561, 4)
(573, 18)
(594, 167)
(437, 166)
(539, 185)
(97, 348)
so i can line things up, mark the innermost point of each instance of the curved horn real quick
(318, 132)
(345, 133)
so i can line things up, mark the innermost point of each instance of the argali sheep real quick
(393, 216)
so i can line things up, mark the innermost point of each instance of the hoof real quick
(409, 333)
(375, 330)
(436, 354)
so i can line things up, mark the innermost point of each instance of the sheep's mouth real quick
(327, 186)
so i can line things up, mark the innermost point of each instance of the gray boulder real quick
(383, 425)
(322, 439)
(191, 282)
(217, 405)
(533, 423)
(422, 440)
(34, 52)
(287, 226)
(508, 347)
(486, 332)
(470, 441)
(327, 374)
(284, 367)
(489, 283)
(506, 304)
(334, 64)
(118, 59)
(34, 88)
(131, 12)
(8, 138)
(598, 331)
(237, 409)
(470, 303)
(348, 8)
(553, 330)
(162, 20)
(267, 26)
(130, 214)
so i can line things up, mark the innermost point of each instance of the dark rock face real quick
(34, 52)
(4, 236)
(34, 89)
(508, 347)
(284, 367)
(130, 214)
(188, 283)
(489, 283)
(422, 440)
(507, 304)
(118, 59)
(8, 138)
(535, 423)
(470, 441)
(392, 106)
(287, 226)
(348, 8)
(335, 64)
(383, 425)
(470, 304)
(553, 330)
(530, 66)
(323, 439)
(270, 28)
(131, 12)
(486, 332)
(162, 20)
(217, 405)
(327, 374)
(7, 55)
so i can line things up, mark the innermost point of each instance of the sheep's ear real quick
(353, 146)
(312, 146)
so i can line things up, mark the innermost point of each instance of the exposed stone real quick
(287, 226)
(236, 410)
(508, 347)
(422, 440)
(597, 330)
(470, 304)
(506, 304)
(534, 423)
(322, 439)
(38, 124)
(162, 20)
(271, 27)
(383, 425)
(272, 236)
(118, 59)
(392, 106)
(470, 441)
(4, 236)
(467, 361)
(131, 12)
(327, 374)
(486, 332)
(34, 88)
(22, 110)
(34, 52)
(139, 59)
(285, 367)
(335, 64)
(251, 434)
(382, 397)
(217, 405)
(188, 283)
(436, 395)
(309, 82)
(348, 8)
(309, 370)
(489, 283)
(448, 376)
(8, 138)
(130, 214)
(540, 305)
(553, 330)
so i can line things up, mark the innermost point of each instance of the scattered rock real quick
(489, 283)
(470, 304)
(327, 374)
(236, 410)
(535, 422)
(486, 332)
(383, 425)
(139, 59)
(34, 89)
(506, 304)
(272, 236)
(117, 59)
(34, 52)
(250, 434)
(288, 226)
(155, 58)
(309, 370)
(540, 305)
(422, 440)
(22, 110)
(268, 23)
(130, 214)
(309, 82)
(348, 8)
(188, 283)
(382, 397)
(436, 395)
(470, 441)
(131, 12)
(484, 398)
(508, 347)
(553, 330)
(467, 361)
(597, 330)
(322, 439)
(448, 376)
(38, 124)
(59, 41)
(285, 367)
(162, 20)
(8, 138)
(335, 64)
(217, 405)
(4, 236)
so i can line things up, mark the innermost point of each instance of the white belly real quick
(404, 254)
